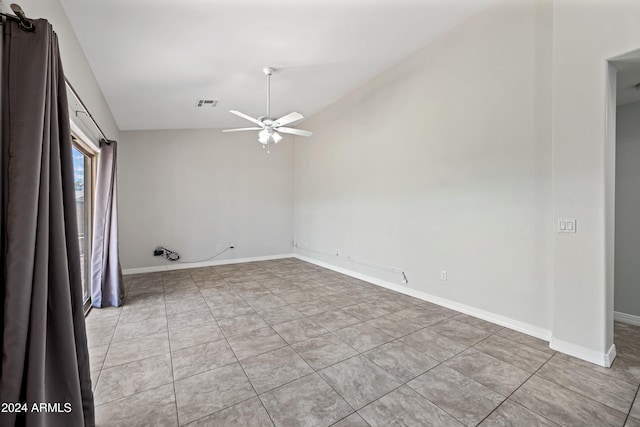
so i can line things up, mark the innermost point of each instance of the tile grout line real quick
(631, 408)
(133, 395)
(314, 371)
(406, 383)
(190, 376)
(518, 388)
(173, 382)
(237, 361)
(442, 363)
(133, 361)
(580, 393)
(219, 410)
(506, 397)
(242, 367)
(106, 352)
(358, 353)
(105, 356)
(317, 372)
(290, 345)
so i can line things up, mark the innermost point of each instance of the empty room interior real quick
(321, 213)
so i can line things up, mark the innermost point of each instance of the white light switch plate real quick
(567, 225)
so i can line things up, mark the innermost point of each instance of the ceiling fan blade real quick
(289, 118)
(295, 131)
(244, 116)
(240, 129)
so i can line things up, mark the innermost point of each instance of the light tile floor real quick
(288, 343)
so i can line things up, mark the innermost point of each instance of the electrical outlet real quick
(232, 246)
(443, 275)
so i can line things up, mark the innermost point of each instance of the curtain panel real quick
(107, 286)
(45, 361)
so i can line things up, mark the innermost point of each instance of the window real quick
(84, 167)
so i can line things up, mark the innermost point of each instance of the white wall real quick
(74, 63)
(586, 34)
(443, 163)
(189, 190)
(627, 241)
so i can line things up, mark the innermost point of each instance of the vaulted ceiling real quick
(155, 59)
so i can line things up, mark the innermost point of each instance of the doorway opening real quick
(624, 117)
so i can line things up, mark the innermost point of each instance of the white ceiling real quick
(154, 59)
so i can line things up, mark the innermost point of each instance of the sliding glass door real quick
(84, 167)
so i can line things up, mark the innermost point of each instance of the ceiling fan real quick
(269, 126)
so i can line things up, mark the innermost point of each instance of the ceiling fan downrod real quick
(268, 71)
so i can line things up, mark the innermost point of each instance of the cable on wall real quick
(167, 253)
(405, 280)
(210, 258)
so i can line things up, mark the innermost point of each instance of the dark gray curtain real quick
(44, 347)
(107, 286)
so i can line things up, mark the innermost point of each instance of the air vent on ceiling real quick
(207, 102)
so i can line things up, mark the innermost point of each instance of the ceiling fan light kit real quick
(268, 126)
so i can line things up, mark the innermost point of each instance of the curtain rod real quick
(27, 25)
(20, 17)
(86, 110)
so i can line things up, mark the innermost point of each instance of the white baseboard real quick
(626, 318)
(181, 266)
(517, 325)
(600, 359)
(610, 356)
